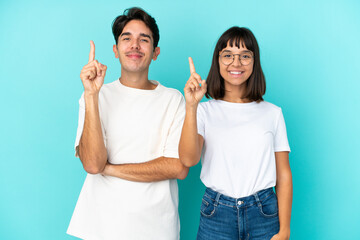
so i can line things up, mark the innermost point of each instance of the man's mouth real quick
(134, 55)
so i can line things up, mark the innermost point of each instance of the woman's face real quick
(234, 71)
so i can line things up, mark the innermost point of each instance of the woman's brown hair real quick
(255, 85)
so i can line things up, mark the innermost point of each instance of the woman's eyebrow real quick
(244, 51)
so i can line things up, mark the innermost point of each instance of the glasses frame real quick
(252, 58)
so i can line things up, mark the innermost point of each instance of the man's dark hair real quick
(135, 13)
(255, 85)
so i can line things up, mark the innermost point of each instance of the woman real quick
(243, 142)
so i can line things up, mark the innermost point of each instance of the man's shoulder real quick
(109, 86)
(171, 92)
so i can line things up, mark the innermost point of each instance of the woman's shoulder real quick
(208, 104)
(271, 108)
(269, 105)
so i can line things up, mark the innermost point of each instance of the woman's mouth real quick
(236, 73)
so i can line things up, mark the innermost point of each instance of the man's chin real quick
(134, 68)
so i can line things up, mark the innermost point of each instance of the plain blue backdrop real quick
(310, 55)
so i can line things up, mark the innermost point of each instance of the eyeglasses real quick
(228, 58)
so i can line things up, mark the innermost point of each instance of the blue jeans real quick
(252, 218)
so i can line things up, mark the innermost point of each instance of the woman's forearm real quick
(190, 144)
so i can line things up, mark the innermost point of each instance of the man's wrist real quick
(107, 169)
(91, 95)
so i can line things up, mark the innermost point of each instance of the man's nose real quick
(135, 44)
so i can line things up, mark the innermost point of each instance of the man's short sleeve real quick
(281, 143)
(173, 138)
(80, 122)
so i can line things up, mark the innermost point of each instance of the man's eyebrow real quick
(141, 34)
(125, 34)
(145, 35)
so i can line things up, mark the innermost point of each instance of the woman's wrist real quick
(191, 107)
(285, 233)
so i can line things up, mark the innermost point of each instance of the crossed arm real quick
(155, 170)
(93, 154)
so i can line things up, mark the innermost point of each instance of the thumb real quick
(203, 86)
(103, 69)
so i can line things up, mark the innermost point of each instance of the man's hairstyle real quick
(135, 13)
(255, 85)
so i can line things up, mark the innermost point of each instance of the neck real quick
(235, 94)
(136, 80)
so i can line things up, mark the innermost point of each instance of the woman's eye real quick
(227, 56)
(246, 56)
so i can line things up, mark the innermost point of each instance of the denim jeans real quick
(252, 218)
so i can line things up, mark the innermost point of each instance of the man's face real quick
(135, 47)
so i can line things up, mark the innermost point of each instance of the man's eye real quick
(144, 40)
(126, 39)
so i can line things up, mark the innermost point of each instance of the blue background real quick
(310, 56)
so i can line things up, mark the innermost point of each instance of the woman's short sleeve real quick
(281, 143)
(201, 119)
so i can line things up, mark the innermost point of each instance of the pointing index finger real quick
(192, 66)
(92, 51)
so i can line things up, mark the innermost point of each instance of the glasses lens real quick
(226, 58)
(246, 58)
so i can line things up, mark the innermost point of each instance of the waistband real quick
(253, 199)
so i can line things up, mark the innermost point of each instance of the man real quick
(127, 141)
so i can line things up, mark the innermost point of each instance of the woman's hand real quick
(195, 87)
(280, 236)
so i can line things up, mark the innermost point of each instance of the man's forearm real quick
(92, 151)
(155, 170)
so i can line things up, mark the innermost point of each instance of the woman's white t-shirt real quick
(240, 141)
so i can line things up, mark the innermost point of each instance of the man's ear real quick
(115, 51)
(156, 53)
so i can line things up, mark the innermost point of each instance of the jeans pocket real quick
(207, 207)
(269, 206)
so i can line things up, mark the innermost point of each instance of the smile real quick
(236, 73)
(135, 55)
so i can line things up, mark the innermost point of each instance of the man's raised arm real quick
(91, 148)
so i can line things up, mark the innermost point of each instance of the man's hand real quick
(92, 74)
(193, 91)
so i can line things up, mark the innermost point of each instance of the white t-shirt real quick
(138, 126)
(240, 141)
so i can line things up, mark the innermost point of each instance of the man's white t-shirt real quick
(138, 126)
(240, 141)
